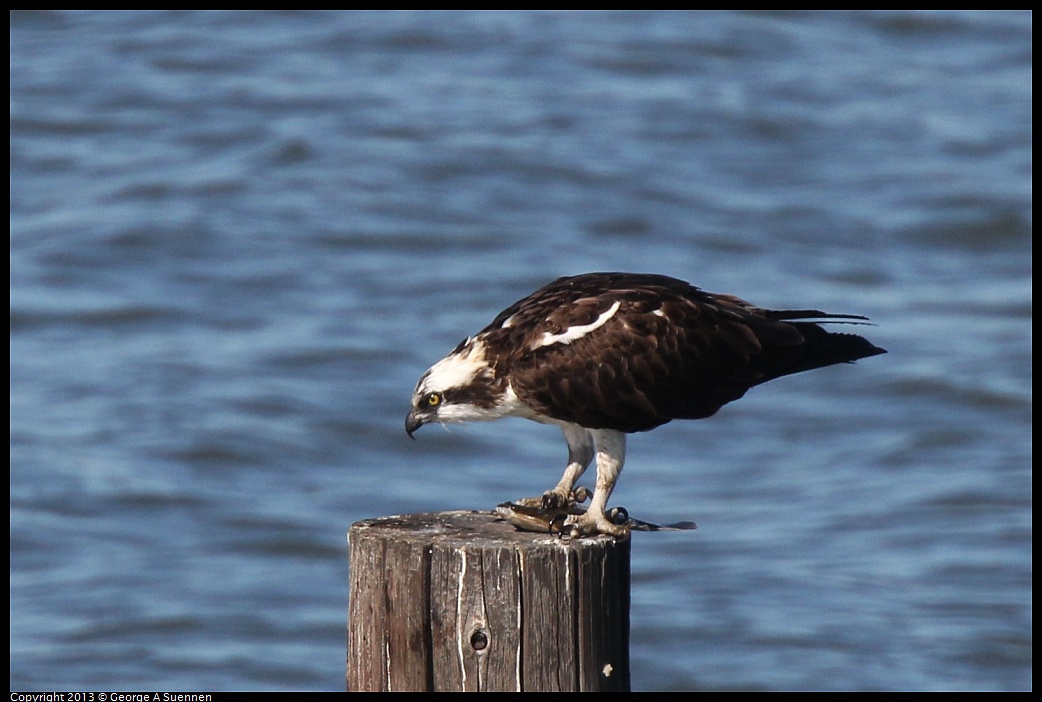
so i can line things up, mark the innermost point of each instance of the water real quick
(237, 239)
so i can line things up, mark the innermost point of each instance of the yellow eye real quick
(433, 399)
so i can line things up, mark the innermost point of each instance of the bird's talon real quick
(558, 524)
(581, 525)
(554, 499)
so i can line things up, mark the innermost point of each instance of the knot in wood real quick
(479, 640)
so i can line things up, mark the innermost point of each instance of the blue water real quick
(237, 240)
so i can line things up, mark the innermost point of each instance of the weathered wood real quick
(454, 601)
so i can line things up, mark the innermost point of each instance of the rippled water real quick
(237, 239)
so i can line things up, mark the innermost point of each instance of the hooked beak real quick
(413, 421)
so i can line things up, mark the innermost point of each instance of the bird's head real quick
(461, 387)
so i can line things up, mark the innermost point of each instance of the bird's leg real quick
(580, 454)
(611, 454)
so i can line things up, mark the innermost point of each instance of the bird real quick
(606, 354)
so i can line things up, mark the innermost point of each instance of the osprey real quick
(602, 355)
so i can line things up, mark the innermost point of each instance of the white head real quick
(461, 387)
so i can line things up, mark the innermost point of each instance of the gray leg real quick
(580, 454)
(611, 454)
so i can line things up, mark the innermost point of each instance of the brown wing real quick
(669, 351)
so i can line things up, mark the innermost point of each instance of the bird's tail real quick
(824, 348)
(815, 316)
(819, 348)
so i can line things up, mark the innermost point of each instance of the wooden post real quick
(461, 601)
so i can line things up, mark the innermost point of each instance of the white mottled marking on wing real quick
(577, 332)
